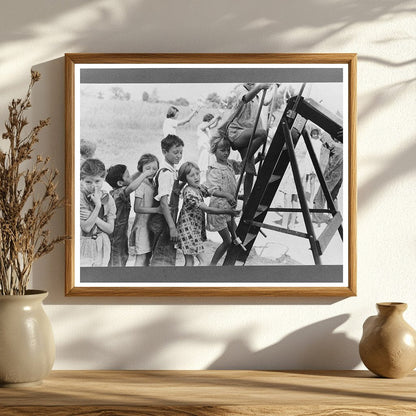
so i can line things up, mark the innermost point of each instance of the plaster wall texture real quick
(225, 333)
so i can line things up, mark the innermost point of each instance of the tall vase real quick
(388, 345)
(27, 347)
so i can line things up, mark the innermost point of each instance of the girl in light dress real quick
(222, 180)
(310, 175)
(143, 202)
(97, 215)
(191, 221)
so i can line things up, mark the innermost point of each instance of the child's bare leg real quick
(287, 203)
(203, 261)
(142, 259)
(222, 248)
(189, 260)
(293, 215)
(232, 227)
(313, 189)
(248, 185)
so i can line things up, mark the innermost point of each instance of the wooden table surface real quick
(202, 393)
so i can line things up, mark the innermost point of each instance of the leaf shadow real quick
(316, 346)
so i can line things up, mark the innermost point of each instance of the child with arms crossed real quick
(97, 215)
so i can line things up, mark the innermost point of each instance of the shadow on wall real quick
(142, 21)
(153, 344)
(137, 26)
(48, 100)
(314, 347)
(393, 169)
(395, 166)
(146, 346)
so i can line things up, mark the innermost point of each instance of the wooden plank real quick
(69, 174)
(301, 195)
(258, 410)
(318, 114)
(326, 236)
(318, 210)
(214, 291)
(279, 229)
(243, 58)
(352, 175)
(213, 392)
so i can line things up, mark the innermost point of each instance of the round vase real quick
(388, 345)
(27, 346)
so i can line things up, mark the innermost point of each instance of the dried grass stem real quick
(23, 217)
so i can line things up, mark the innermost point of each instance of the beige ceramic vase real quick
(388, 344)
(27, 347)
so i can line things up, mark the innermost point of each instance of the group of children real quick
(157, 231)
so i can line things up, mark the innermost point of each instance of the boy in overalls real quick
(163, 226)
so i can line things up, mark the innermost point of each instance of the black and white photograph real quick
(185, 173)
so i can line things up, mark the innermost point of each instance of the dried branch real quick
(24, 217)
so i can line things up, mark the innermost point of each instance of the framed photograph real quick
(211, 174)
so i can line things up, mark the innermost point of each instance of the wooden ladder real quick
(280, 154)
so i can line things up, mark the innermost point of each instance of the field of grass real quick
(124, 130)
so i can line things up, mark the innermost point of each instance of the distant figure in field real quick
(204, 136)
(87, 150)
(171, 121)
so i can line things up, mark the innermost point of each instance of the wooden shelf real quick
(202, 393)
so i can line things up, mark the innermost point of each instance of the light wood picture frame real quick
(295, 235)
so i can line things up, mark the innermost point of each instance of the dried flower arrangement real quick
(28, 199)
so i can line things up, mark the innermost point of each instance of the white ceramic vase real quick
(27, 346)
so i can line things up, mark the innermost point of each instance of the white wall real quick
(200, 333)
